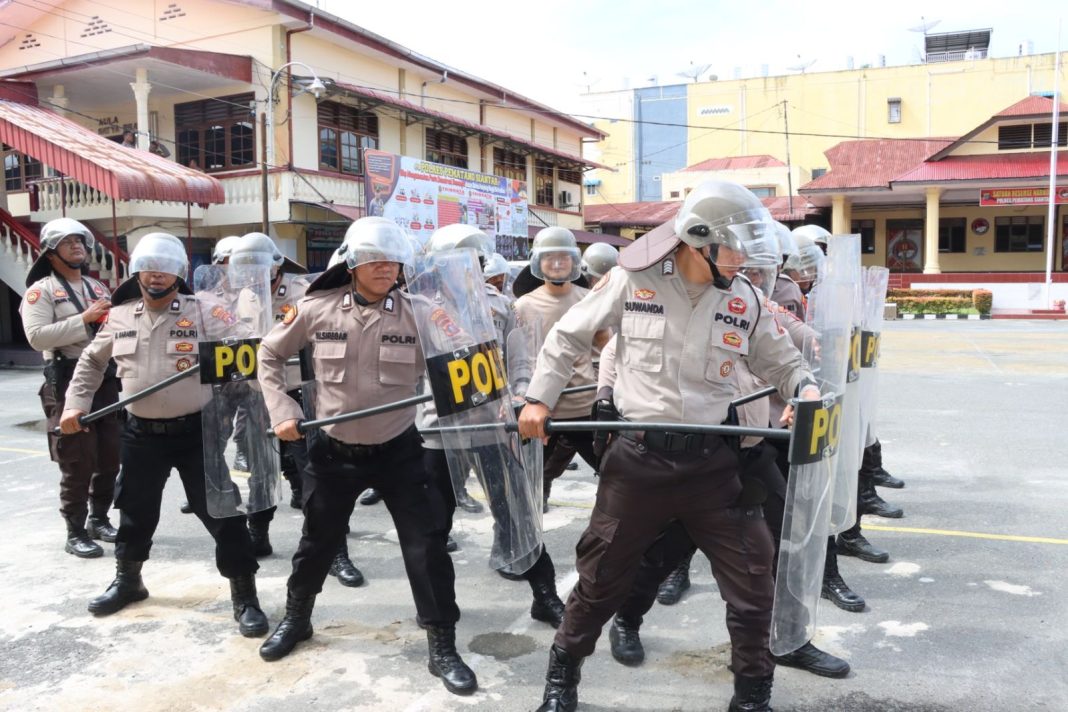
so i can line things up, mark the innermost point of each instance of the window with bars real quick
(216, 134)
(20, 169)
(345, 132)
(543, 183)
(510, 164)
(1019, 233)
(446, 148)
(866, 230)
(1038, 136)
(951, 234)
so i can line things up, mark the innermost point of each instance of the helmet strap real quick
(718, 279)
(157, 293)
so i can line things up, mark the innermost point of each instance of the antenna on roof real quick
(923, 27)
(801, 65)
(694, 71)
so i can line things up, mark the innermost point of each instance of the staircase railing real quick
(19, 247)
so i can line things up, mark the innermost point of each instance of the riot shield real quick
(234, 306)
(844, 503)
(813, 460)
(874, 286)
(469, 384)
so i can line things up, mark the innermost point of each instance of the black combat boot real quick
(751, 694)
(861, 548)
(127, 588)
(676, 583)
(467, 503)
(342, 567)
(873, 464)
(78, 541)
(260, 534)
(446, 663)
(869, 502)
(837, 591)
(247, 612)
(295, 627)
(370, 496)
(99, 524)
(450, 544)
(561, 682)
(546, 606)
(811, 659)
(296, 496)
(185, 507)
(626, 643)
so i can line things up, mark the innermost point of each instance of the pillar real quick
(141, 88)
(930, 232)
(841, 214)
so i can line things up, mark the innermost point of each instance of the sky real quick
(564, 48)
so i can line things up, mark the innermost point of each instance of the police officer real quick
(597, 260)
(495, 273)
(61, 311)
(683, 321)
(366, 352)
(546, 290)
(162, 430)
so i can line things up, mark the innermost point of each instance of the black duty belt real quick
(164, 426)
(673, 442)
(351, 451)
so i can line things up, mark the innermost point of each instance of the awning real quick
(348, 212)
(119, 172)
(587, 238)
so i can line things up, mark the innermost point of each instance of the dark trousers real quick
(494, 484)
(147, 460)
(561, 449)
(674, 546)
(639, 493)
(88, 462)
(414, 502)
(294, 460)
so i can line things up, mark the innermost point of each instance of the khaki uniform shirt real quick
(147, 347)
(290, 291)
(362, 356)
(788, 296)
(52, 322)
(665, 346)
(546, 310)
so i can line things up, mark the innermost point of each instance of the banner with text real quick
(421, 196)
(992, 197)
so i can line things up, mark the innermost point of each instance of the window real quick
(446, 148)
(219, 134)
(568, 176)
(509, 164)
(893, 110)
(543, 183)
(344, 133)
(818, 172)
(866, 230)
(1043, 135)
(764, 191)
(1010, 137)
(674, 194)
(1019, 233)
(20, 169)
(591, 190)
(951, 233)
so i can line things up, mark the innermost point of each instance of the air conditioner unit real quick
(565, 198)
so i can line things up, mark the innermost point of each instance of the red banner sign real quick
(993, 197)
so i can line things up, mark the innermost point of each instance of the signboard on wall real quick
(421, 196)
(904, 248)
(1038, 195)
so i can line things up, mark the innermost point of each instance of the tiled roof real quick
(988, 167)
(653, 213)
(872, 164)
(1031, 106)
(735, 163)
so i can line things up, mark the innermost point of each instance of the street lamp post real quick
(316, 87)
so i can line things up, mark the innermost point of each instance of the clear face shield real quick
(556, 264)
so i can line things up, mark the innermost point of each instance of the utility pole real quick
(263, 153)
(789, 170)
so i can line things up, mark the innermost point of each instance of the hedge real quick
(895, 294)
(982, 300)
(933, 305)
(941, 301)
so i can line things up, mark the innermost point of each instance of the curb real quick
(928, 317)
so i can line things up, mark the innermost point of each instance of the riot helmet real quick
(805, 267)
(721, 214)
(223, 249)
(817, 234)
(374, 239)
(52, 233)
(159, 252)
(557, 248)
(459, 235)
(598, 259)
(259, 248)
(496, 266)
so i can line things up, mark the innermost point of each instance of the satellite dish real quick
(924, 25)
(694, 72)
(801, 65)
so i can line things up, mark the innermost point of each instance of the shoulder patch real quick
(346, 301)
(388, 305)
(176, 305)
(667, 267)
(282, 289)
(290, 313)
(32, 296)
